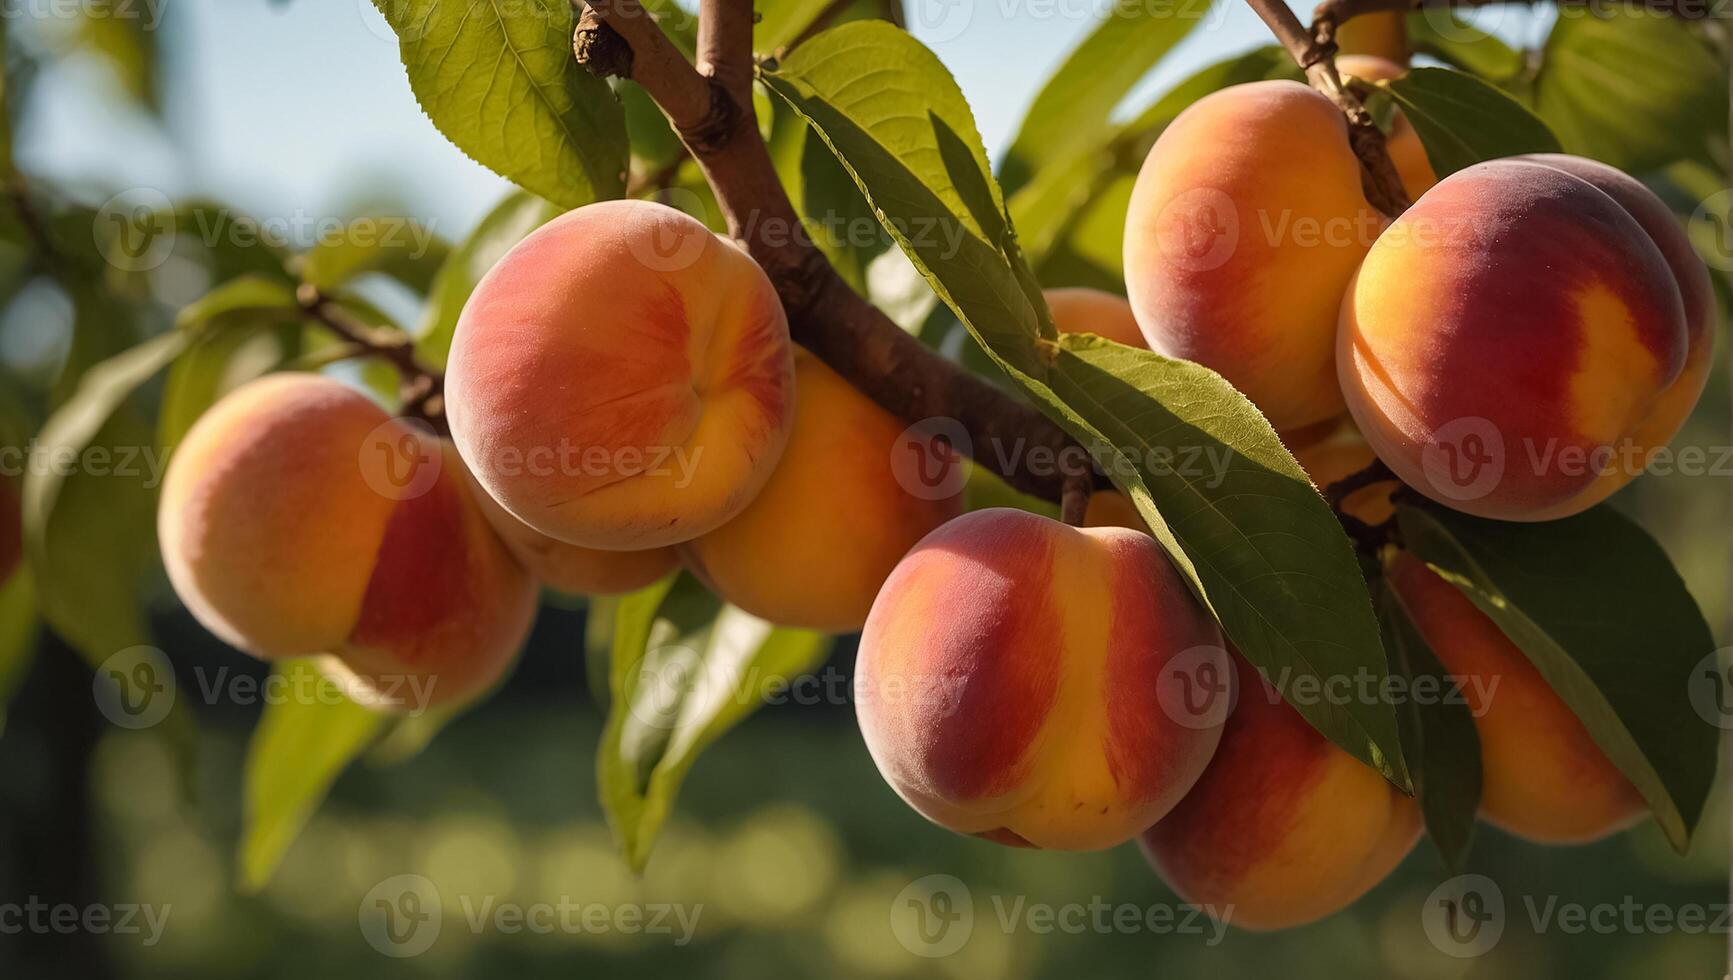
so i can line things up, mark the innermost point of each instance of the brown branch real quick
(1316, 54)
(422, 389)
(1074, 498)
(894, 369)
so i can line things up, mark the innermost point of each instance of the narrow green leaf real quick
(501, 83)
(503, 227)
(686, 669)
(1632, 87)
(1462, 120)
(1438, 736)
(301, 745)
(1597, 606)
(1074, 106)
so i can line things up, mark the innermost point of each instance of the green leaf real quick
(1631, 87)
(89, 527)
(896, 120)
(1443, 34)
(229, 354)
(402, 248)
(781, 21)
(1462, 120)
(124, 34)
(1597, 606)
(843, 224)
(1439, 740)
(686, 668)
(1074, 106)
(503, 227)
(303, 742)
(1240, 519)
(501, 83)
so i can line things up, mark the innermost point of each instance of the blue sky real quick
(293, 111)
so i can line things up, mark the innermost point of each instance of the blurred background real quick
(786, 851)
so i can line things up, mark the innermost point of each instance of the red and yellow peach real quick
(622, 379)
(1505, 336)
(1036, 684)
(1082, 310)
(815, 545)
(1284, 827)
(297, 518)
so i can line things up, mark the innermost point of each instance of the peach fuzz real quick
(570, 569)
(1083, 310)
(1402, 142)
(815, 545)
(287, 531)
(1663, 227)
(1543, 776)
(1285, 827)
(1030, 683)
(1506, 336)
(1245, 225)
(622, 379)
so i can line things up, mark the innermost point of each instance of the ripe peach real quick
(815, 545)
(1284, 827)
(1340, 457)
(1676, 402)
(297, 519)
(1543, 776)
(1245, 225)
(1081, 310)
(622, 379)
(1110, 508)
(568, 568)
(1506, 336)
(1403, 143)
(1033, 684)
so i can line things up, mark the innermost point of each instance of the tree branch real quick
(1316, 54)
(894, 369)
(422, 388)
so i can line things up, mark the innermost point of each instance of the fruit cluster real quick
(624, 399)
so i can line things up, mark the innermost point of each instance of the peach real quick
(1082, 310)
(1339, 458)
(822, 536)
(1542, 775)
(297, 518)
(1284, 827)
(1679, 398)
(570, 569)
(622, 379)
(1110, 508)
(1506, 336)
(1402, 142)
(1035, 684)
(1245, 225)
